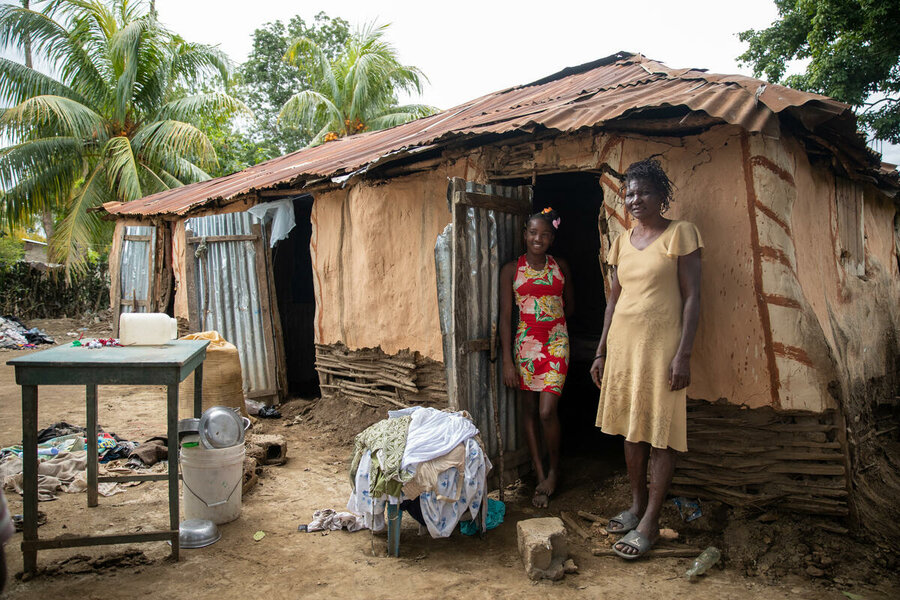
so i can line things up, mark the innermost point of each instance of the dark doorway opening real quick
(578, 198)
(292, 265)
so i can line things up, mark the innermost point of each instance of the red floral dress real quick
(542, 339)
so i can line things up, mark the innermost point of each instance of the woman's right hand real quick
(510, 376)
(597, 370)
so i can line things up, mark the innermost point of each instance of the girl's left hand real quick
(679, 372)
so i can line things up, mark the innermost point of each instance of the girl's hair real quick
(549, 215)
(651, 171)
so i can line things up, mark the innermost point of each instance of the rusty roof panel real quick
(575, 98)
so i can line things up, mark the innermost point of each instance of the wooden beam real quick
(501, 203)
(222, 238)
(280, 193)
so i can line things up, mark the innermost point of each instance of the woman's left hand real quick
(679, 372)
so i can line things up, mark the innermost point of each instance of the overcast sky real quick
(469, 48)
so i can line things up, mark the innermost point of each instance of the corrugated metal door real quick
(135, 274)
(228, 292)
(486, 233)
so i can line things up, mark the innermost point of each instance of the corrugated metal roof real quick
(575, 98)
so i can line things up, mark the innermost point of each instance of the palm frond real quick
(79, 227)
(190, 108)
(18, 83)
(122, 169)
(308, 108)
(68, 116)
(72, 61)
(400, 115)
(163, 141)
(306, 54)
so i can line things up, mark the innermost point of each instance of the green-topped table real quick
(166, 364)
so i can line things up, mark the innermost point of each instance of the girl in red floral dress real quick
(541, 287)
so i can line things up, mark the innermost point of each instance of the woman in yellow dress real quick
(645, 348)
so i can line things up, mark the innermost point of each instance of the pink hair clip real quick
(556, 223)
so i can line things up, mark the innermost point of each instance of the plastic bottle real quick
(707, 558)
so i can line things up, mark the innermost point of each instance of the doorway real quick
(292, 270)
(578, 198)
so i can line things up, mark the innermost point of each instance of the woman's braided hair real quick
(651, 171)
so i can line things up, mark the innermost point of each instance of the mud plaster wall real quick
(372, 249)
(860, 316)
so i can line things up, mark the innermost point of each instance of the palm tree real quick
(112, 122)
(355, 92)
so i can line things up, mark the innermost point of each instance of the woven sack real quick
(222, 380)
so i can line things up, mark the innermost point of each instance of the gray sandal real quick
(626, 519)
(636, 540)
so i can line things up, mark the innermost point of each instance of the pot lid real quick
(221, 427)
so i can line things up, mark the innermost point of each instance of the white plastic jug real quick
(146, 329)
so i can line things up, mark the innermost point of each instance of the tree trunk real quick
(26, 4)
(49, 224)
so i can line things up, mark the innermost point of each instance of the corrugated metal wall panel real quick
(135, 268)
(228, 297)
(490, 239)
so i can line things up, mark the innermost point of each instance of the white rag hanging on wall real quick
(282, 212)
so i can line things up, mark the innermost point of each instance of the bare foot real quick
(540, 500)
(548, 485)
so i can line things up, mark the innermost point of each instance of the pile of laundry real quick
(14, 334)
(430, 462)
(62, 461)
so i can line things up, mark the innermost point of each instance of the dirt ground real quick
(766, 555)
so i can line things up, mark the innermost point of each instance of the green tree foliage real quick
(355, 91)
(112, 122)
(853, 48)
(267, 81)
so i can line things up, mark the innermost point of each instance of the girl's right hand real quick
(510, 376)
(597, 370)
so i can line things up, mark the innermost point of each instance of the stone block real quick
(543, 547)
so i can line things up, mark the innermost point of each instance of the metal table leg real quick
(92, 453)
(29, 474)
(172, 420)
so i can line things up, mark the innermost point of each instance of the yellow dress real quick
(635, 399)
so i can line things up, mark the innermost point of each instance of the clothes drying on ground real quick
(331, 520)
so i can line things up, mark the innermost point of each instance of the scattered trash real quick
(259, 535)
(302, 528)
(702, 563)
(253, 407)
(19, 520)
(668, 534)
(688, 509)
(269, 412)
(14, 334)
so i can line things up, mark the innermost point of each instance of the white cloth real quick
(434, 433)
(441, 516)
(326, 518)
(361, 501)
(282, 220)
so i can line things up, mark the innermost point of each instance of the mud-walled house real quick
(390, 273)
